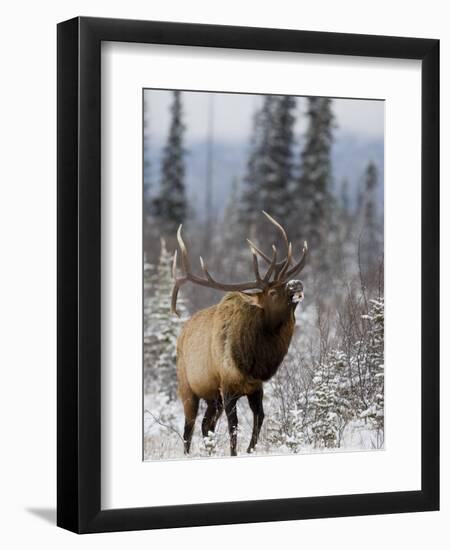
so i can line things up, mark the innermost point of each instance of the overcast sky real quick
(232, 115)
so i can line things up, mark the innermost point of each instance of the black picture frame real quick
(79, 280)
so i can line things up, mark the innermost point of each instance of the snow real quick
(163, 429)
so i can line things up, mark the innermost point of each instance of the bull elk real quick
(228, 350)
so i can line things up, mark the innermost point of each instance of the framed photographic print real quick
(248, 288)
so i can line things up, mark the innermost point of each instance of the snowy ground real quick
(163, 429)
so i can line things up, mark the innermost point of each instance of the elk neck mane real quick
(257, 346)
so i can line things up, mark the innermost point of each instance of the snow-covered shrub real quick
(317, 398)
(374, 411)
(161, 327)
(330, 404)
(210, 444)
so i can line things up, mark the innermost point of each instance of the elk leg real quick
(219, 411)
(190, 406)
(212, 415)
(255, 400)
(231, 412)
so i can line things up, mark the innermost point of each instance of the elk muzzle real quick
(295, 291)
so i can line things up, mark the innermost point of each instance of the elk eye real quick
(272, 293)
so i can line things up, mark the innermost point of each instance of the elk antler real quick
(208, 281)
(281, 268)
(300, 264)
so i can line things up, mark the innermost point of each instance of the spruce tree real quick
(276, 185)
(322, 407)
(252, 203)
(369, 226)
(313, 189)
(161, 328)
(146, 156)
(149, 228)
(331, 401)
(170, 206)
(369, 202)
(270, 165)
(374, 368)
(345, 198)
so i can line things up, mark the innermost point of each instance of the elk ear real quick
(253, 299)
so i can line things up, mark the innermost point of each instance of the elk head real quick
(276, 292)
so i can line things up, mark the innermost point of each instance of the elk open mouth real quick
(297, 297)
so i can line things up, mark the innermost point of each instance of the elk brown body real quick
(229, 350)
